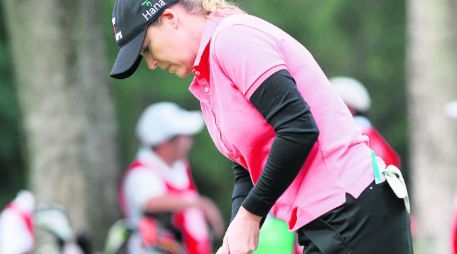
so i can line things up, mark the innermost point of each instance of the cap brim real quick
(128, 59)
(189, 123)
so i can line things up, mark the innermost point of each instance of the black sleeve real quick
(241, 188)
(280, 103)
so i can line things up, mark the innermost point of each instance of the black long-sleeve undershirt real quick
(280, 103)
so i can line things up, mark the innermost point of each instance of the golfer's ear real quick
(169, 16)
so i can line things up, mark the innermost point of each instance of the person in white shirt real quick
(158, 186)
(16, 226)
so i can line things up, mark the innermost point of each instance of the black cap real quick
(130, 22)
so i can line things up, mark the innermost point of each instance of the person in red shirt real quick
(158, 194)
(17, 234)
(356, 97)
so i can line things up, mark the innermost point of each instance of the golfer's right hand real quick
(242, 236)
(223, 250)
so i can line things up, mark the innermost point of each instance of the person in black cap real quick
(131, 20)
(269, 108)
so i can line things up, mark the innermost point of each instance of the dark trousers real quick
(374, 223)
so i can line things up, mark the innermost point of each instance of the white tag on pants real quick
(395, 180)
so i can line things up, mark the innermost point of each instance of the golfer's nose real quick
(152, 63)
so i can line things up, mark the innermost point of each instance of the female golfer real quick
(271, 110)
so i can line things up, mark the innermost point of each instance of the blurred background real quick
(67, 129)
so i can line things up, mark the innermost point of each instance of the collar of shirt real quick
(208, 30)
(200, 85)
(175, 175)
(148, 156)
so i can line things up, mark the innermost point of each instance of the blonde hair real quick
(210, 6)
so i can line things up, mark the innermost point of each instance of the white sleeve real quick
(14, 235)
(140, 186)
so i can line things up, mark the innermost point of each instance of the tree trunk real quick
(432, 79)
(68, 114)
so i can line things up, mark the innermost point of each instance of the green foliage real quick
(12, 173)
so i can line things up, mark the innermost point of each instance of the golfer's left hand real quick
(242, 236)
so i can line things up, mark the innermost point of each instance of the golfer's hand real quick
(242, 236)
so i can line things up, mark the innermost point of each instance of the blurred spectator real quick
(158, 194)
(55, 221)
(16, 227)
(357, 99)
(20, 220)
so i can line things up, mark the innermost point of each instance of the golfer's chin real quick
(182, 73)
